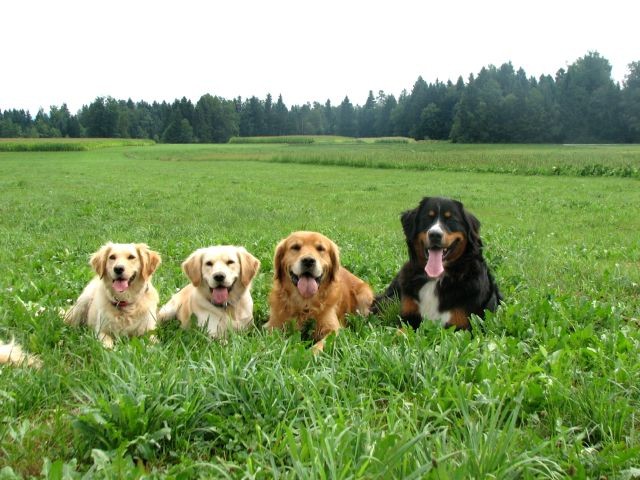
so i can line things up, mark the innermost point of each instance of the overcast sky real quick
(55, 52)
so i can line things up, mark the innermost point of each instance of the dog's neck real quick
(224, 306)
(123, 303)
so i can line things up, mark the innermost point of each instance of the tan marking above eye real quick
(447, 214)
(432, 213)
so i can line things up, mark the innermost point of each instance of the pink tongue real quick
(120, 285)
(220, 295)
(307, 286)
(434, 266)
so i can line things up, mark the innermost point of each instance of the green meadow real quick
(548, 387)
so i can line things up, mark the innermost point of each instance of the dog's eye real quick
(295, 247)
(320, 248)
(209, 263)
(131, 257)
(432, 213)
(112, 257)
(230, 262)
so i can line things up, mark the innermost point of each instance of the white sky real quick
(65, 51)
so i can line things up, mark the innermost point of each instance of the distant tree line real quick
(581, 104)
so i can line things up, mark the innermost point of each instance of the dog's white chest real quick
(218, 320)
(430, 305)
(213, 321)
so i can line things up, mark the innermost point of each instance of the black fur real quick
(466, 284)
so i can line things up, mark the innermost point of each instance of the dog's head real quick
(308, 260)
(439, 231)
(124, 265)
(220, 270)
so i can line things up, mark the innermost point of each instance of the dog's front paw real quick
(106, 340)
(318, 347)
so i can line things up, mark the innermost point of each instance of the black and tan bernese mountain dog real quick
(446, 278)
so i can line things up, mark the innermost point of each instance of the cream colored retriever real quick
(309, 283)
(120, 300)
(13, 353)
(219, 295)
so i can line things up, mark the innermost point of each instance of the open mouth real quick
(306, 283)
(449, 249)
(219, 295)
(436, 256)
(121, 284)
(445, 250)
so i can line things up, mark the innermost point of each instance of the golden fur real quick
(336, 291)
(13, 353)
(120, 300)
(226, 269)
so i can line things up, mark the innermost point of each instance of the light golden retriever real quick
(219, 295)
(13, 353)
(309, 283)
(120, 300)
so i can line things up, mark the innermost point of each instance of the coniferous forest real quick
(581, 104)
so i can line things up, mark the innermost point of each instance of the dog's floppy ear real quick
(249, 266)
(474, 230)
(473, 227)
(334, 256)
(278, 258)
(192, 266)
(98, 260)
(408, 220)
(149, 260)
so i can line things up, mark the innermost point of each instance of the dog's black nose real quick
(308, 262)
(219, 277)
(435, 237)
(118, 270)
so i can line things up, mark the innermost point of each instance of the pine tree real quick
(346, 119)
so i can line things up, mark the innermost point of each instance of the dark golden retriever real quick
(309, 283)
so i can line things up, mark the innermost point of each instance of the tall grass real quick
(67, 145)
(290, 140)
(616, 161)
(392, 140)
(318, 139)
(622, 161)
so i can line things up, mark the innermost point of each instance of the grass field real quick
(548, 388)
